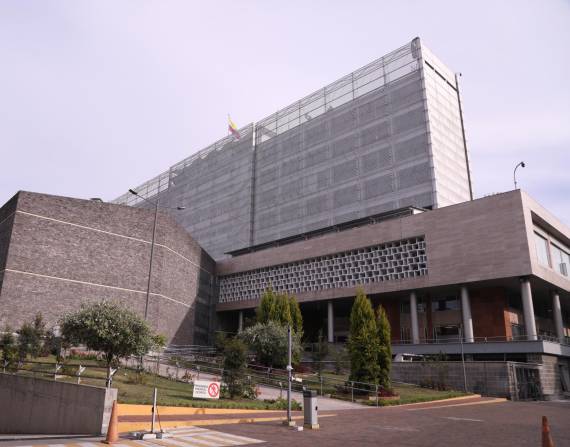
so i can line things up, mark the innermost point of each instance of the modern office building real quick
(364, 183)
(487, 277)
(387, 136)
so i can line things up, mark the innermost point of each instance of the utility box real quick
(310, 409)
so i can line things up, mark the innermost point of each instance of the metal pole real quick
(463, 358)
(153, 411)
(151, 257)
(289, 373)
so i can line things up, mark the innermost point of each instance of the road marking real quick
(186, 437)
(463, 419)
(483, 402)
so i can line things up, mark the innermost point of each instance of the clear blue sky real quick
(99, 96)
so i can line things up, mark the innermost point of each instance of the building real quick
(487, 277)
(386, 136)
(57, 253)
(366, 182)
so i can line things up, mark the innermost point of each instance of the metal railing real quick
(492, 339)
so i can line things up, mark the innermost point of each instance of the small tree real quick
(9, 349)
(282, 310)
(111, 329)
(320, 352)
(235, 362)
(266, 309)
(363, 341)
(296, 316)
(385, 347)
(269, 342)
(39, 334)
(27, 341)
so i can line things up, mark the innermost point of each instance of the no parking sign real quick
(205, 389)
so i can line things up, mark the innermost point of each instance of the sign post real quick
(206, 389)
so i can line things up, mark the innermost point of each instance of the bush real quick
(235, 358)
(269, 343)
(363, 342)
(9, 350)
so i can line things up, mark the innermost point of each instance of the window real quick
(559, 260)
(541, 249)
(445, 304)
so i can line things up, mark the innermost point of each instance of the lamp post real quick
(522, 165)
(156, 206)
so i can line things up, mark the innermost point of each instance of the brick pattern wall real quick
(64, 252)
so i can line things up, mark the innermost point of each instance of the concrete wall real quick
(64, 252)
(487, 378)
(480, 240)
(38, 406)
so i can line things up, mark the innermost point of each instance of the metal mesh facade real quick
(373, 141)
(385, 262)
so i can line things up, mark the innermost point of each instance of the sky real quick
(99, 96)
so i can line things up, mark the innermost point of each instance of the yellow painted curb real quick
(450, 399)
(125, 427)
(482, 402)
(145, 410)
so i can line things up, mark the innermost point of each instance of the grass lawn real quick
(135, 389)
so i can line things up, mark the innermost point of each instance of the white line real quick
(462, 419)
(221, 438)
(76, 281)
(110, 233)
(200, 442)
(237, 437)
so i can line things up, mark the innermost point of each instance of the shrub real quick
(269, 343)
(363, 341)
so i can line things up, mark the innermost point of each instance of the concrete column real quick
(240, 321)
(467, 319)
(557, 315)
(414, 318)
(330, 322)
(528, 309)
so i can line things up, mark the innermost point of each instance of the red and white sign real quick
(205, 389)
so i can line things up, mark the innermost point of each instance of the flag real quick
(233, 128)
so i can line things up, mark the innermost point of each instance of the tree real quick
(296, 316)
(320, 352)
(266, 309)
(235, 363)
(282, 308)
(27, 341)
(384, 348)
(9, 349)
(269, 342)
(111, 329)
(39, 334)
(363, 341)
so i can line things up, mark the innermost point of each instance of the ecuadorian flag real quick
(233, 128)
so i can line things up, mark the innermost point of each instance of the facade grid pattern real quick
(406, 258)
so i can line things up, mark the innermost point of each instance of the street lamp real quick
(156, 206)
(522, 165)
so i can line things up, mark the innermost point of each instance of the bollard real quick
(310, 409)
(546, 437)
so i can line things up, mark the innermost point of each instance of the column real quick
(330, 322)
(414, 318)
(467, 319)
(557, 314)
(528, 309)
(240, 321)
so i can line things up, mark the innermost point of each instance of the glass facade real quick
(541, 249)
(386, 136)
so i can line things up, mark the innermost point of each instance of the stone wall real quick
(39, 406)
(63, 252)
(487, 378)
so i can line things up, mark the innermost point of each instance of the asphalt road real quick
(490, 424)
